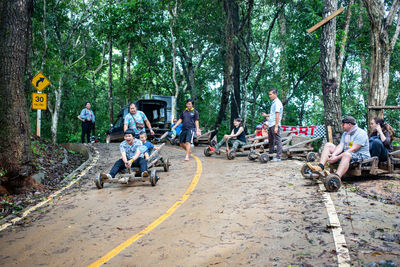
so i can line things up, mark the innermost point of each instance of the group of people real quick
(355, 145)
(269, 129)
(135, 149)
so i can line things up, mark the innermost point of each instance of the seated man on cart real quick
(236, 138)
(353, 147)
(131, 156)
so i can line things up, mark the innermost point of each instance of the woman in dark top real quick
(380, 140)
(236, 138)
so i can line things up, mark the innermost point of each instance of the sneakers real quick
(315, 168)
(105, 176)
(212, 149)
(123, 180)
(276, 160)
(145, 174)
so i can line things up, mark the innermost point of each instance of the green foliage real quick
(77, 32)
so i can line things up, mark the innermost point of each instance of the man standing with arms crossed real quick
(274, 123)
(190, 121)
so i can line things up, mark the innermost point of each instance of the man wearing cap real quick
(353, 147)
(131, 151)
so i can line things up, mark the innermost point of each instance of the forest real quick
(224, 54)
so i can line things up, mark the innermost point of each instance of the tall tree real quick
(330, 88)
(15, 155)
(383, 39)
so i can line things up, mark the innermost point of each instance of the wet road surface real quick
(240, 213)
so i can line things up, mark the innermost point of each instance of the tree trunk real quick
(235, 95)
(110, 89)
(283, 58)
(342, 51)
(227, 87)
(15, 151)
(122, 68)
(96, 71)
(56, 112)
(330, 89)
(382, 48)
(128, 73)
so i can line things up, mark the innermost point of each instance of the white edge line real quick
(342, 252)
(49, 198)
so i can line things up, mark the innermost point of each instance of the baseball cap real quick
(349, 119)
(259, 126)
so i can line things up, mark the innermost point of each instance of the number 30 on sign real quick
(39, 101)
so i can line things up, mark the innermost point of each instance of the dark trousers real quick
(120, 165)
(86, 129)
(378, 149)
(275, 140)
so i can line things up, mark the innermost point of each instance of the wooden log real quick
(330, 136)
(383, 107)
(325, 20)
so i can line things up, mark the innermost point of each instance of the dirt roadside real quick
(240, 213)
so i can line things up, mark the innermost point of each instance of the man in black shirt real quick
(190, 121)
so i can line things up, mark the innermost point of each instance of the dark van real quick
(156, 113)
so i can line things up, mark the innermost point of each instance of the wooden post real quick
(325, 20)
(330, 137)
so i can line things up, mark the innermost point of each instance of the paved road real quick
(240, 213)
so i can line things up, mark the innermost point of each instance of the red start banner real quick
(318, 130)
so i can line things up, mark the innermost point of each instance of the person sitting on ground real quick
(149, 146)
(235, 139)
(380, 140)
(131, 149)
(353, 147)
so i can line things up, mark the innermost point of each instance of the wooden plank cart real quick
(133, 175)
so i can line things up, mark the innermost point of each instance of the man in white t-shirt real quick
(274, 123)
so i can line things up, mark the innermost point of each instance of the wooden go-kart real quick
(368, 167)
(231, 154)
(133, 175)
(292, 146)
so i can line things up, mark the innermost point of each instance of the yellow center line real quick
(159, 220)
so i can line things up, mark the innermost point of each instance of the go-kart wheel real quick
(99, 182)
(307, 173)
(207, 152)
(108, 139)
(264, 158)
(166, 165)
(231, 155)
(252, 156)
(195, 142)
(173, 141)
(311, 156)
(332, 183)
(153, 178)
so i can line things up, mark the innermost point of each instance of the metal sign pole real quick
(39, 118)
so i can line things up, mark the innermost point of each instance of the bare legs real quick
(186, 146)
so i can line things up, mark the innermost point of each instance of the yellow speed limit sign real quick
(39, 101)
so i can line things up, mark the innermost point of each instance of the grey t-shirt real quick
(130, 150)
(360, 137)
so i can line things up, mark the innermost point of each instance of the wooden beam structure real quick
(383, 107)
(325, 20)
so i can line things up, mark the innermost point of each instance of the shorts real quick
(357, 157)
(186, 136)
